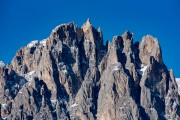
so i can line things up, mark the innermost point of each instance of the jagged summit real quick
(150, 48)
(64, 24)
(87, 25)
(127, 35)
(73, 75)
(99, 29)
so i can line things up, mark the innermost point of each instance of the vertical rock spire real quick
(86, 25)
(149, 47)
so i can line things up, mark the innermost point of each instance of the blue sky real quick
(22, 21)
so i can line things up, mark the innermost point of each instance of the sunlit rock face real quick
(73, 75)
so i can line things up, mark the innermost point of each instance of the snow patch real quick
(53, 100)
(63, 68)
(73, 48)
(116, 67)
(43, 42)
(74, 105)
(152, 109)
(64, 71)
(142, 70)
(4, 106)
(87, 40)
(4, 118)
(57, 27)
(62, 100)
(178, 83)
(32, 43)
(36, 42)
(29, 76)
(30, 73)
(2, 64)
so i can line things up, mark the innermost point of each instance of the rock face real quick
(73, 75)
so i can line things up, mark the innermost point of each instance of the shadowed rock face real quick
(73, 75)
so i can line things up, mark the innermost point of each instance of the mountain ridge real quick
(73, 75)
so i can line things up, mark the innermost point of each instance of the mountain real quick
(178, 83)
(73, 75)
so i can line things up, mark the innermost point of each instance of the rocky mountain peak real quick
(87, 25)
(73, 75)
(117, 41)
(99, 30)
(149, 47)
(127, 35)
(62, 31)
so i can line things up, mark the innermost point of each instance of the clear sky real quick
(22, 21)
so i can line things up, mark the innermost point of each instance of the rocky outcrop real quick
(73, 75)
